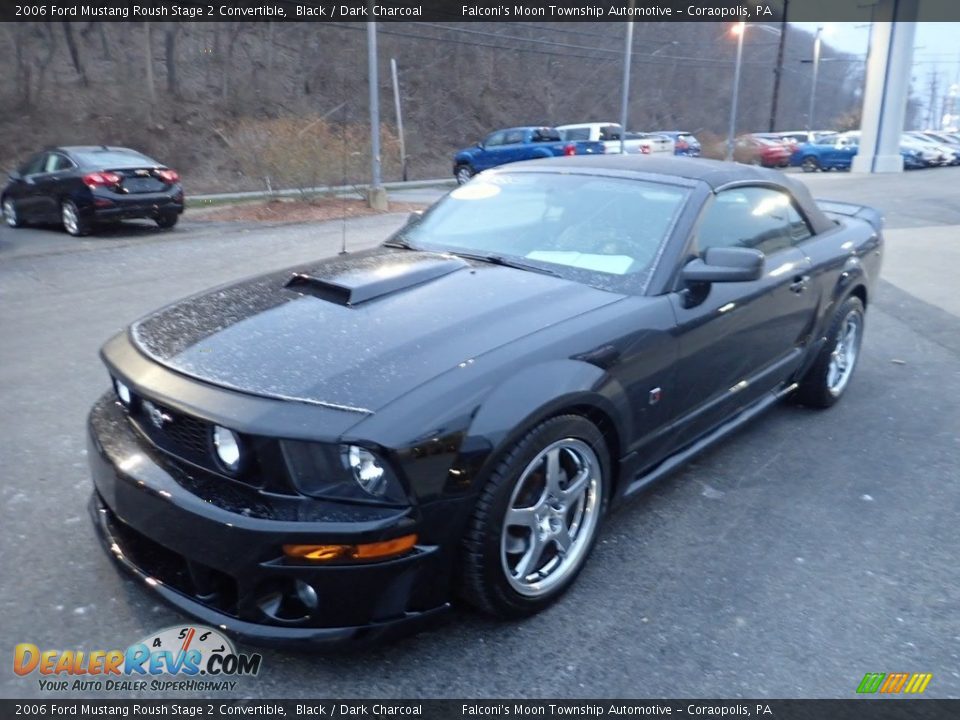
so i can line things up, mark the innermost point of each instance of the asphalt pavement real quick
(809, 549)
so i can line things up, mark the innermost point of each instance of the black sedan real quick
(339, 450)
(83, 185)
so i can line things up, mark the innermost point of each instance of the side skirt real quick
(764, 403)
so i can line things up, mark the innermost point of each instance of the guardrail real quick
(196, 200)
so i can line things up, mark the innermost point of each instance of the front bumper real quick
(227, 568)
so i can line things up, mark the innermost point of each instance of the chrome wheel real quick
(810, 164)
(464, 173)
(551, 517)
(68, 214)
(844, 355)
(10, 212)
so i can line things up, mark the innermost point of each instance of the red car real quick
(755, 150)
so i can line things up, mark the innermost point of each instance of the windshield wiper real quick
(504, 261)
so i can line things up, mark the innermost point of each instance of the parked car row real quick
(530, 142)
(828, 150)
(80, 186)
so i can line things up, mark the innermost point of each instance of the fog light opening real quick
(289, 600)
(123, 392)
(227, 446)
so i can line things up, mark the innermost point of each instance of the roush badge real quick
(184, 652)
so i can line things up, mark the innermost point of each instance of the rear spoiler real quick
(864, 212)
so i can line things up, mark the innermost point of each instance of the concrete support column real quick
(888, 87)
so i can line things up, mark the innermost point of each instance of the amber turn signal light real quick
(365, 551)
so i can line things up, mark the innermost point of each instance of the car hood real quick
(359, 331)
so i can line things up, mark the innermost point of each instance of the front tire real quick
(463, 173)
(10, 215)
(810, 164)
(536, 519)
(72, 222)
(826, 381)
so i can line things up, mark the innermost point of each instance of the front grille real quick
(180, 435)
(188, 442)
(189, 433)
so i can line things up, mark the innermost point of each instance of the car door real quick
(49, 185)
(514, 148)
(740, 340)
(24, 187)
(492, 153)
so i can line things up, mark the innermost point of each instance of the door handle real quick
(800, 283)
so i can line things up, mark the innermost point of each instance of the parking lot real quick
(809, 549)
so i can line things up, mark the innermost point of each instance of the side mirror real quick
(13, 175)
(480, 145)
(725, 264)
(414, 217)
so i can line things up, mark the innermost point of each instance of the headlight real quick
(123, 392)
(366, 468)
(227, 446)
(342, 472)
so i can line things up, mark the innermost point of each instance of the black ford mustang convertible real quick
(338, 450)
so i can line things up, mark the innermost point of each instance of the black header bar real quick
(620, 709)
(461, 10)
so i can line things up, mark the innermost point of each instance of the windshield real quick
(567, 223)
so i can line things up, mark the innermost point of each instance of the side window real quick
(63, 163)
(573, 134)
(759, 218)
(494, 140)
(513, 137)
(33, 165)
(55, 162)
(610, 132)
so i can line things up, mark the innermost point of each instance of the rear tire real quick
(10, 215)
(536, 519)
(810, 164)
(72, 222)
(463, 173)
(826, 381)
(167, 220)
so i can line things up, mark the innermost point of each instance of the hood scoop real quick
(358, 284)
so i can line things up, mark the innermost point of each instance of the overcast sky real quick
(936, 51)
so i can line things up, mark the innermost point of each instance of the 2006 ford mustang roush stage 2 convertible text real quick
(338, 450)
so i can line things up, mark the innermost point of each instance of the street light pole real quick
(740, 29)
(376, 196)
(813, 85)
(625, 91)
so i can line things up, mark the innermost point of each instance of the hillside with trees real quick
(242, 105)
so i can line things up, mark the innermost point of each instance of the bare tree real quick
(74, 53)
(148, 59)
(170, 49)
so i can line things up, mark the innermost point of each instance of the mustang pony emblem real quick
(156, 415)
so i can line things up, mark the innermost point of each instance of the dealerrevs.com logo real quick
(180, 658)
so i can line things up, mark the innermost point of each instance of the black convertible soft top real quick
(714, 173)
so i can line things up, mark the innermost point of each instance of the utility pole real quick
(932, 109)
(396, 104)
(778, 71)
(376, 196)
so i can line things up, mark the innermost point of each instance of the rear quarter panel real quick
(844, 259)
